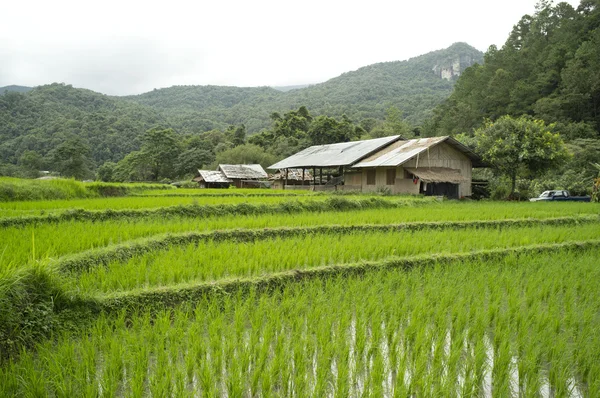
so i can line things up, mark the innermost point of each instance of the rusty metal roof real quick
(211, 176)
(334, 155)
(243, 171)
(402, 151)
(438, 174)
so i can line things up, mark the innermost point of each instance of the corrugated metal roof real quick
(333, 155)
(293, 174)
(243, 171)
(438, 174)
(402, 151)
(211, 176)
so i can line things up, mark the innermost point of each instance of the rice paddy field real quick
(257, 293)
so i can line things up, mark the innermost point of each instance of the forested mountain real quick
(13, 88)
(549, 70)
(38, 124)
(288, 88)
(47, 116)
(414, 86)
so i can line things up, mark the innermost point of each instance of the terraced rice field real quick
(300, 296)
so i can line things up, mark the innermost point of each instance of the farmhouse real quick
(212, 179)
(430, 166)
(240, 175)
(245, 175)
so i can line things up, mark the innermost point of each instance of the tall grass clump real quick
(32, 307)
(15, 189)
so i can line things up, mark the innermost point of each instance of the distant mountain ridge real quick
(38, 119)
(15, 89)
(415, 86)
(288, 88)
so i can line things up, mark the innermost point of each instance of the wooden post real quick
(320, 176)
(314, 178)
(286, 179)
(303, 176)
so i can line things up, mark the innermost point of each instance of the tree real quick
(394, 125)
(246, 154)
(327, 130)
(31, 163)
(596, 186)
(71, 159)
(190, 160)
(237, 134)
(160, 149)
(519, 147)
(106, 171)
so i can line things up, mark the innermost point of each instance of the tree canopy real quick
(521, 146)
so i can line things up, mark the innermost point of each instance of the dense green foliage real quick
(516, 147)
(49, 116)
(549, 69)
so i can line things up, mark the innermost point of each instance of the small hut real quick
(212, 179)
(295, 179)
(245, 175)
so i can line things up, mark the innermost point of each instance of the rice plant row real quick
(11, 209)
(121, 252)
(279, 205)
(522, 326)
(22, 244)
(214, 260)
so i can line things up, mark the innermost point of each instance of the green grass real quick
(227, 192)
(13, 189)
(17, 189)
(12, 209)
(211, 261)
(518, 326)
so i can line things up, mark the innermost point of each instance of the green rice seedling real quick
(298, 334)
(11, 209)
(213, 260)
(53, 240)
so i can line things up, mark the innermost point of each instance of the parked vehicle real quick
(559, 196)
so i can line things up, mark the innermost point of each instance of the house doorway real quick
(446, 189)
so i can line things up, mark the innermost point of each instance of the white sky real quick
(129, 47)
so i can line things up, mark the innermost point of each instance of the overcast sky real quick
(129, 47)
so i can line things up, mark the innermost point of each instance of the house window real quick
(371, 177)
(390, 177)
(407, 175)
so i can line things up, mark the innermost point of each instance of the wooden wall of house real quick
(442, 155)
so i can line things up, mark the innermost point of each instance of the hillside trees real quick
(155, 160)
(549, 68)
(246, 154)
(516, 147)
(71, 159)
